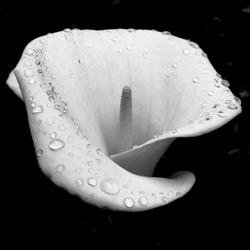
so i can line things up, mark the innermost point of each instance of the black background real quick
(212, 214)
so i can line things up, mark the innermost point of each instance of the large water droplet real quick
(110, 186)
(60, 168)
(143, 201)
(37, 109)
(128, 202)
(56, 144)
(92, 181)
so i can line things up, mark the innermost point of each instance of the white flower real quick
(103, 106)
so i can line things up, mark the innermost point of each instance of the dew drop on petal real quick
(31, 81)
(56, 144)
(128, 202)
(52, 135)
(222, 113)
(90, 163)
(195, 80)
(225, 83)
(165, 199)
(79, 182)
(186, 52)
(92, 181)
(174, 65)
(232, 106)
(129, 47)
(89, 146)
(145, 55)
(120, 50)
(99, 151)
(37, 109)
(204, 105)
(178, 194)
(143, 201)
(30, 52)
(39, 153)
(28, 72)
(60, 168)
(110, 186)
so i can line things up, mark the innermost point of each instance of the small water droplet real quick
(79, 182)
(135, 146)
(90, 163)
(211, 93)
(30, 52)
(99, 151)
(27, 64)
(204, 54)
(195, 80)
(39, 153)
(71, 75)
(120, 51)
(52, 135)
(145, 55)
(67, 30)
(225, 83)
(31, 81)
(178, 194)
(143, 201)
(129, 47)
(110, 186)
(165, 199)
(128, 202)
(50, 120)
(204, 71)
(216, 106)
(56, 144)
(61, 127)
(204, 105)
(89, 146)
(186, 52)
(39, 71)
(232, 106)
(174, 65)
(68, 37)
(90, 45)
(70, 139)
(167, 33)
(37, 109)
(217, 85)
(33, 104)
(174, 131)
(50, 35)
(28, 72)
(60, 168)
(194, 45)
(80, 61)
(43, 41)
(92, 181)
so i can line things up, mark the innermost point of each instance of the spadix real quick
(103, 106)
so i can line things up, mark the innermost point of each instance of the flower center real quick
(126, 126)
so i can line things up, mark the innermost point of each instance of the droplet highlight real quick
(37, 109)
(143, 201)
(92, 182)
(60, 168)
(128, 202)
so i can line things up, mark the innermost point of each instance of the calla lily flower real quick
(103, 107)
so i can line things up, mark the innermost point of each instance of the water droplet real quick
(52, 135)
(60, 168)
(33, 104)
(195, 80)
(50, 120)
(68, 37)
(167, 33)
(90, 45)
(145, 55)
(174, 65)
(37, 109)
(120, 50)
(67, 30)
(99, 151)
(129, 47)
(92, 181)
(178, 194)
(27, 64)
(204, 71)
(31, 81)
(232, 106)
(28, 72)
(39, 71)
(217, 85)
(228, 101)
(174, 131)
(186, 52)
(89, 146)
(204, 54)
(30, 52)
(211, 93)
(110, 186)
(143, 201)
(80, 61)
(194, 45)
(43, 41)
(225, 83)
(135, 146)
(71, 75)
(39, 153)
(70, 139)
(79, 182)
(216, 106)
(204, 105)
(90, 163)
(128, 202)
(56, 144)
(50, 35)
(61, 127)
(165, 199)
